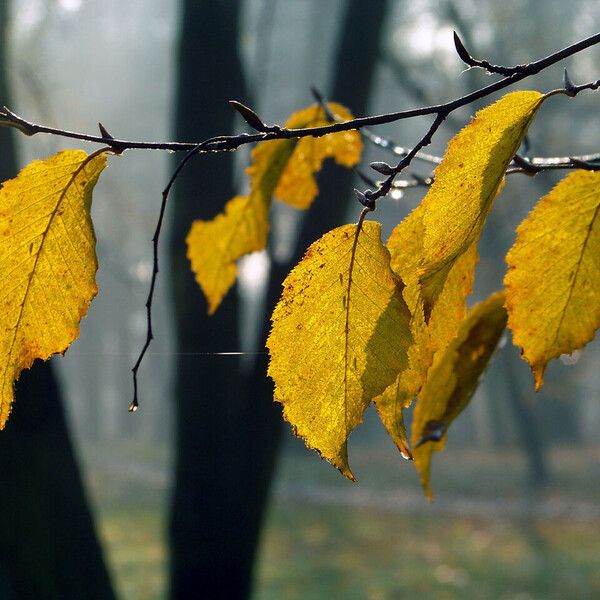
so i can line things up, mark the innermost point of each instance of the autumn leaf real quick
(553, 294)
(338, 339)
(47, 261)
(406, 247)
(453, 380)
(428, 339)
(434, 250)
(297, 185)
(281, 168)
(466, 183)
(215, 246)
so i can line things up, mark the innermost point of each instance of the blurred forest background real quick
(179, 492)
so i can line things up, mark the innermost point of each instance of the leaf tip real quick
(340, 462)
(4, 414)
(538, 376)
(405, 452)
(426, 484)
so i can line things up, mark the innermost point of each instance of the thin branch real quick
(391, 146)
(570, 89)
(223, 143)
(134, 405)
(399, 184)
(369, 197)
(533, 166)
(520, 165)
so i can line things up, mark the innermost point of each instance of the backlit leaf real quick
(47, 261)
(281, 168)
(339, 338)
(434, 250)
(405, 243)
(553, 282)
(297, 185)
(453, 380)
(466, 183)
(215, 246)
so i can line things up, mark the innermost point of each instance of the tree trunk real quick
(228, 426)
(49, 547)
(209, 522)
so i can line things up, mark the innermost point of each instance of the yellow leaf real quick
(553, 294)
(453, 380)
(214, 246)
(284, 168)
(339, 337)
(467, 181)
(297, 185)
(47, 261)
(405, 245)
(390, 408)
(434, 250)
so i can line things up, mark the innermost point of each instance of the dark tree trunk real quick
(48, 546)
(228, 426)
(209, 520)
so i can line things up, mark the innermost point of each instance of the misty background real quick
(517, 465)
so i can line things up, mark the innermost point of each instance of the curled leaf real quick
(434, 250)
(453, 380)
(406, 248)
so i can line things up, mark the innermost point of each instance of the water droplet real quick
(133, 407)
(396, 194)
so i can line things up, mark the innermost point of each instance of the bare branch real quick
(231, 142)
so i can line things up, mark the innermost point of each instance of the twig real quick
(370, 197)
(589, 162)
(399, 184)
(466, 57)
(391, 146)
(134, 405)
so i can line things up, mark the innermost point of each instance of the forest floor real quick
(487, 534)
